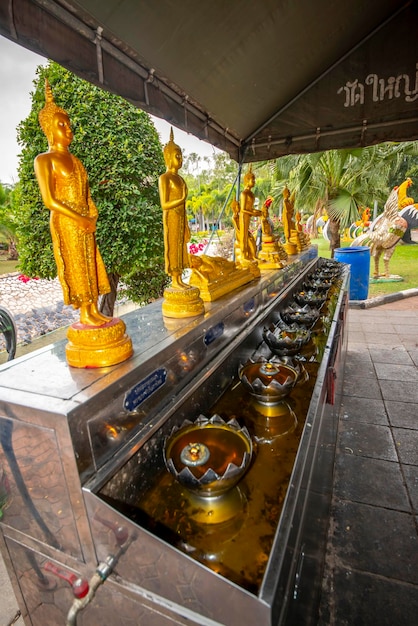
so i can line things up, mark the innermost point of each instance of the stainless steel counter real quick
(66, 433)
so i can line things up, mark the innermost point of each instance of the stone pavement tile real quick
(358, 365)
(400, 390)
(407, 445)
(408, 325)
(378, 327)
(393, 371)
(354, 326)
(402, 414)
(357, 347)
(411, 479)
(398, 354)
(408, 339)
(375, 540)
(370, 481)
(362, 599)
(355, 331)
(384, 339)
(375, 315)
(361, 386)
(368, 410)
(368, 440)
(413, 353)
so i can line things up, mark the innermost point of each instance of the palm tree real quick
(339, 181)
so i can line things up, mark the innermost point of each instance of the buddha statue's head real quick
(172, 153)
(49, 115)
(249, 178)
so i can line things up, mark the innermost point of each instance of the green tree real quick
(120, 149)
(339, 181)
(8, 225)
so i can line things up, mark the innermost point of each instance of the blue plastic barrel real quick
(358, 258)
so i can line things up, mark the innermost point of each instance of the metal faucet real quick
(100, 575)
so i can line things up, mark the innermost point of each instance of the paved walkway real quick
(371, 574)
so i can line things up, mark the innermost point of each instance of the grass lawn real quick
(7, 267)
(404, 262)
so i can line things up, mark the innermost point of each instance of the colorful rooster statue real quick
(387, 229)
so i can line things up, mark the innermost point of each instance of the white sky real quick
(17, 72)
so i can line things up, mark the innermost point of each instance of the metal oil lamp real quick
(269, 382)
(305, 316)
(209, 457)
(310, 298)
(286, 340)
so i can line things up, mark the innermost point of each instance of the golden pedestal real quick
(98, 346)
(304, 241)
(291, 248)
(212, 289)
(182, 302)
(272, 255)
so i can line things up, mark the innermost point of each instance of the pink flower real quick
(25, 279)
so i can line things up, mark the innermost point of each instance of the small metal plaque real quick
(249, 306)
(213, 333)
(144, 389)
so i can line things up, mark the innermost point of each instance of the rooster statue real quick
(388, 228)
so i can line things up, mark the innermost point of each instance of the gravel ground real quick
(36, 306)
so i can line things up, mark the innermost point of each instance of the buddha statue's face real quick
(61, 129)
(249, 180)
(174, 158)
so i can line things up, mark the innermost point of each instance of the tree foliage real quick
(120, 149)
(8, 224)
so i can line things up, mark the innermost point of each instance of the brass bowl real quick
(268, 381)
(208, 456)
(285, 341)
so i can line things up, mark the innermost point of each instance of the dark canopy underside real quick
(256, 78)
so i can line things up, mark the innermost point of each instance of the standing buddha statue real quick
(180, 298)
(96, 340)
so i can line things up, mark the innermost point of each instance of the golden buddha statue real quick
(97, 340)
(247, 242)
(296, 239)
(180, 299)
(272, 254)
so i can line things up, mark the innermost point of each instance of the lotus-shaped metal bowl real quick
(310, 298)
(208, 456)
(327, 271)
(286, 341)
(268, 381)
(301, 315)
(320, 285)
